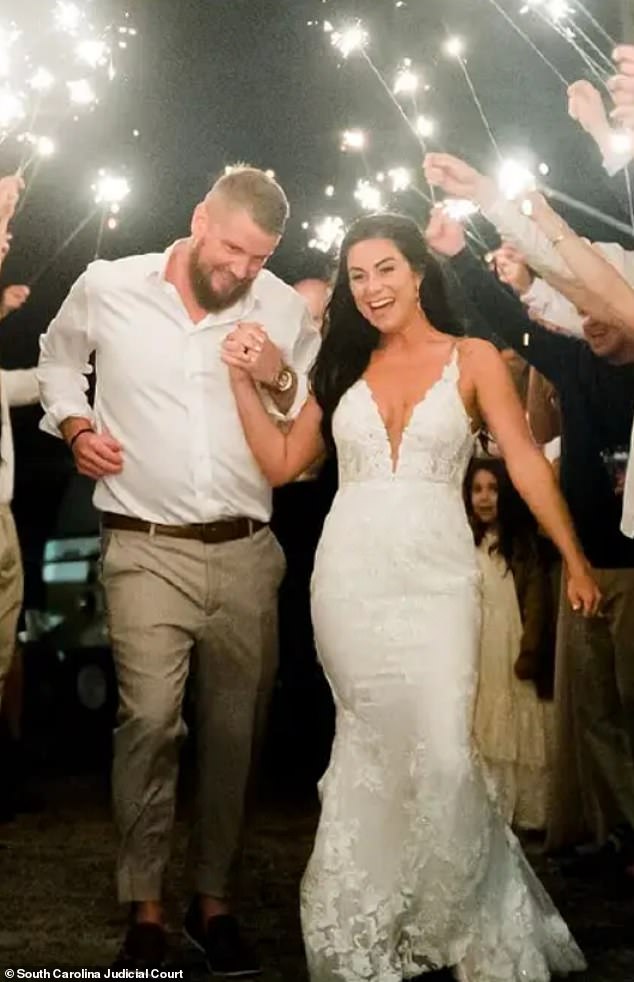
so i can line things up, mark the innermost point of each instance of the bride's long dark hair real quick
(350, 339)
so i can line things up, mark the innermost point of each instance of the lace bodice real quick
(436, 444)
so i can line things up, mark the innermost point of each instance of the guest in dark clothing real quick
(596, 395)
(303, 707)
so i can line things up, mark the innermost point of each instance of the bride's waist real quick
(393, 506)
(414, 489)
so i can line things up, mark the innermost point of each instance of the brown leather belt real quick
(208, 532)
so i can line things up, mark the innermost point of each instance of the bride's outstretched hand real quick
(583, 593)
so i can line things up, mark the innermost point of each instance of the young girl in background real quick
(511, 721)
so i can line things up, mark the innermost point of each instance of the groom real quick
(190, 566)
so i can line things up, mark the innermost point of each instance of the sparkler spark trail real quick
(529, 41)
(50, 262)
(585, 209)
(454, 47)
(567, 34)
(595, 23)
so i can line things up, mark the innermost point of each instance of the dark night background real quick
(208, 83)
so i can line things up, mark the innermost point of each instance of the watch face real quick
(284, 380)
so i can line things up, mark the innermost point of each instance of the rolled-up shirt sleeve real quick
(64, 363)
(522, 232)
(615, 160)
(552, 308)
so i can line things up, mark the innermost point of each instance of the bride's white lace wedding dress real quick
(413, 867)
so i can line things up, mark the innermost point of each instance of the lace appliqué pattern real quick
(413, 867)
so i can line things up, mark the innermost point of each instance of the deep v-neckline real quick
(395, 448)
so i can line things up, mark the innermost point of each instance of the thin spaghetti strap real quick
(452, 368)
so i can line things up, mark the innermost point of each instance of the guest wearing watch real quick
(190, 567)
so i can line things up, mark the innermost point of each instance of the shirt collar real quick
(239, 311)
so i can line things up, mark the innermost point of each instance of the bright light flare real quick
(622, 142)
(368, 196)
(515, 178)
(454, 47)
(558, 10)
(92, 52)
(110, 189)
(11, 108)
(406, 82)
(400, 178)
(68, 16)
(45, 146)
(351, 39)
(42, 80)
(329, 233)
(425, 126)
(353, 140)
(459, 208)
(81, 92)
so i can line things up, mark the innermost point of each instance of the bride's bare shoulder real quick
(477, 349)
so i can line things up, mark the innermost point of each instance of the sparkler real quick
(41, 148)
(529, 41)
(355, 39)
(459, 208)
(329, 233)
(110, 190)
(425, 127)
(353, 140)
(368, 196)
(68, 16)
(455, 47)
(81, 92)
(514, 179)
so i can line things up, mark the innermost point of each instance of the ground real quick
(58, 907)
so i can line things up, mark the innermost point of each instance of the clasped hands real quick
(249, 353)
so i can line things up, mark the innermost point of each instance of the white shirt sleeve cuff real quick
(59, 411)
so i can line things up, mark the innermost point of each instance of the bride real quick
(413, 868)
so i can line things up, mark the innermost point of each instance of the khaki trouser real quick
(11, 588)
(593, 788)
(167, 599)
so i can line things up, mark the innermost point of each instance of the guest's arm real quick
(500, 313)
(599, 288)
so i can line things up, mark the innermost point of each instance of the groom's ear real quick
(199, 221)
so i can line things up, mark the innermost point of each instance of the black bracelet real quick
(86, 429)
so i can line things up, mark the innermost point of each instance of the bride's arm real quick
(281, 456)
(528, 469)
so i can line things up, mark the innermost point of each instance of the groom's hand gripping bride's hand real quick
(248, 351)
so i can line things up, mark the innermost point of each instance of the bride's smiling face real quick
(383, 284)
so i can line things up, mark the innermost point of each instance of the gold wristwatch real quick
(283, 381)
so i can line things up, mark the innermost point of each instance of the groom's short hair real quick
(257, 192)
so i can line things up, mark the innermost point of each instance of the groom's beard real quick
(209, 298)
